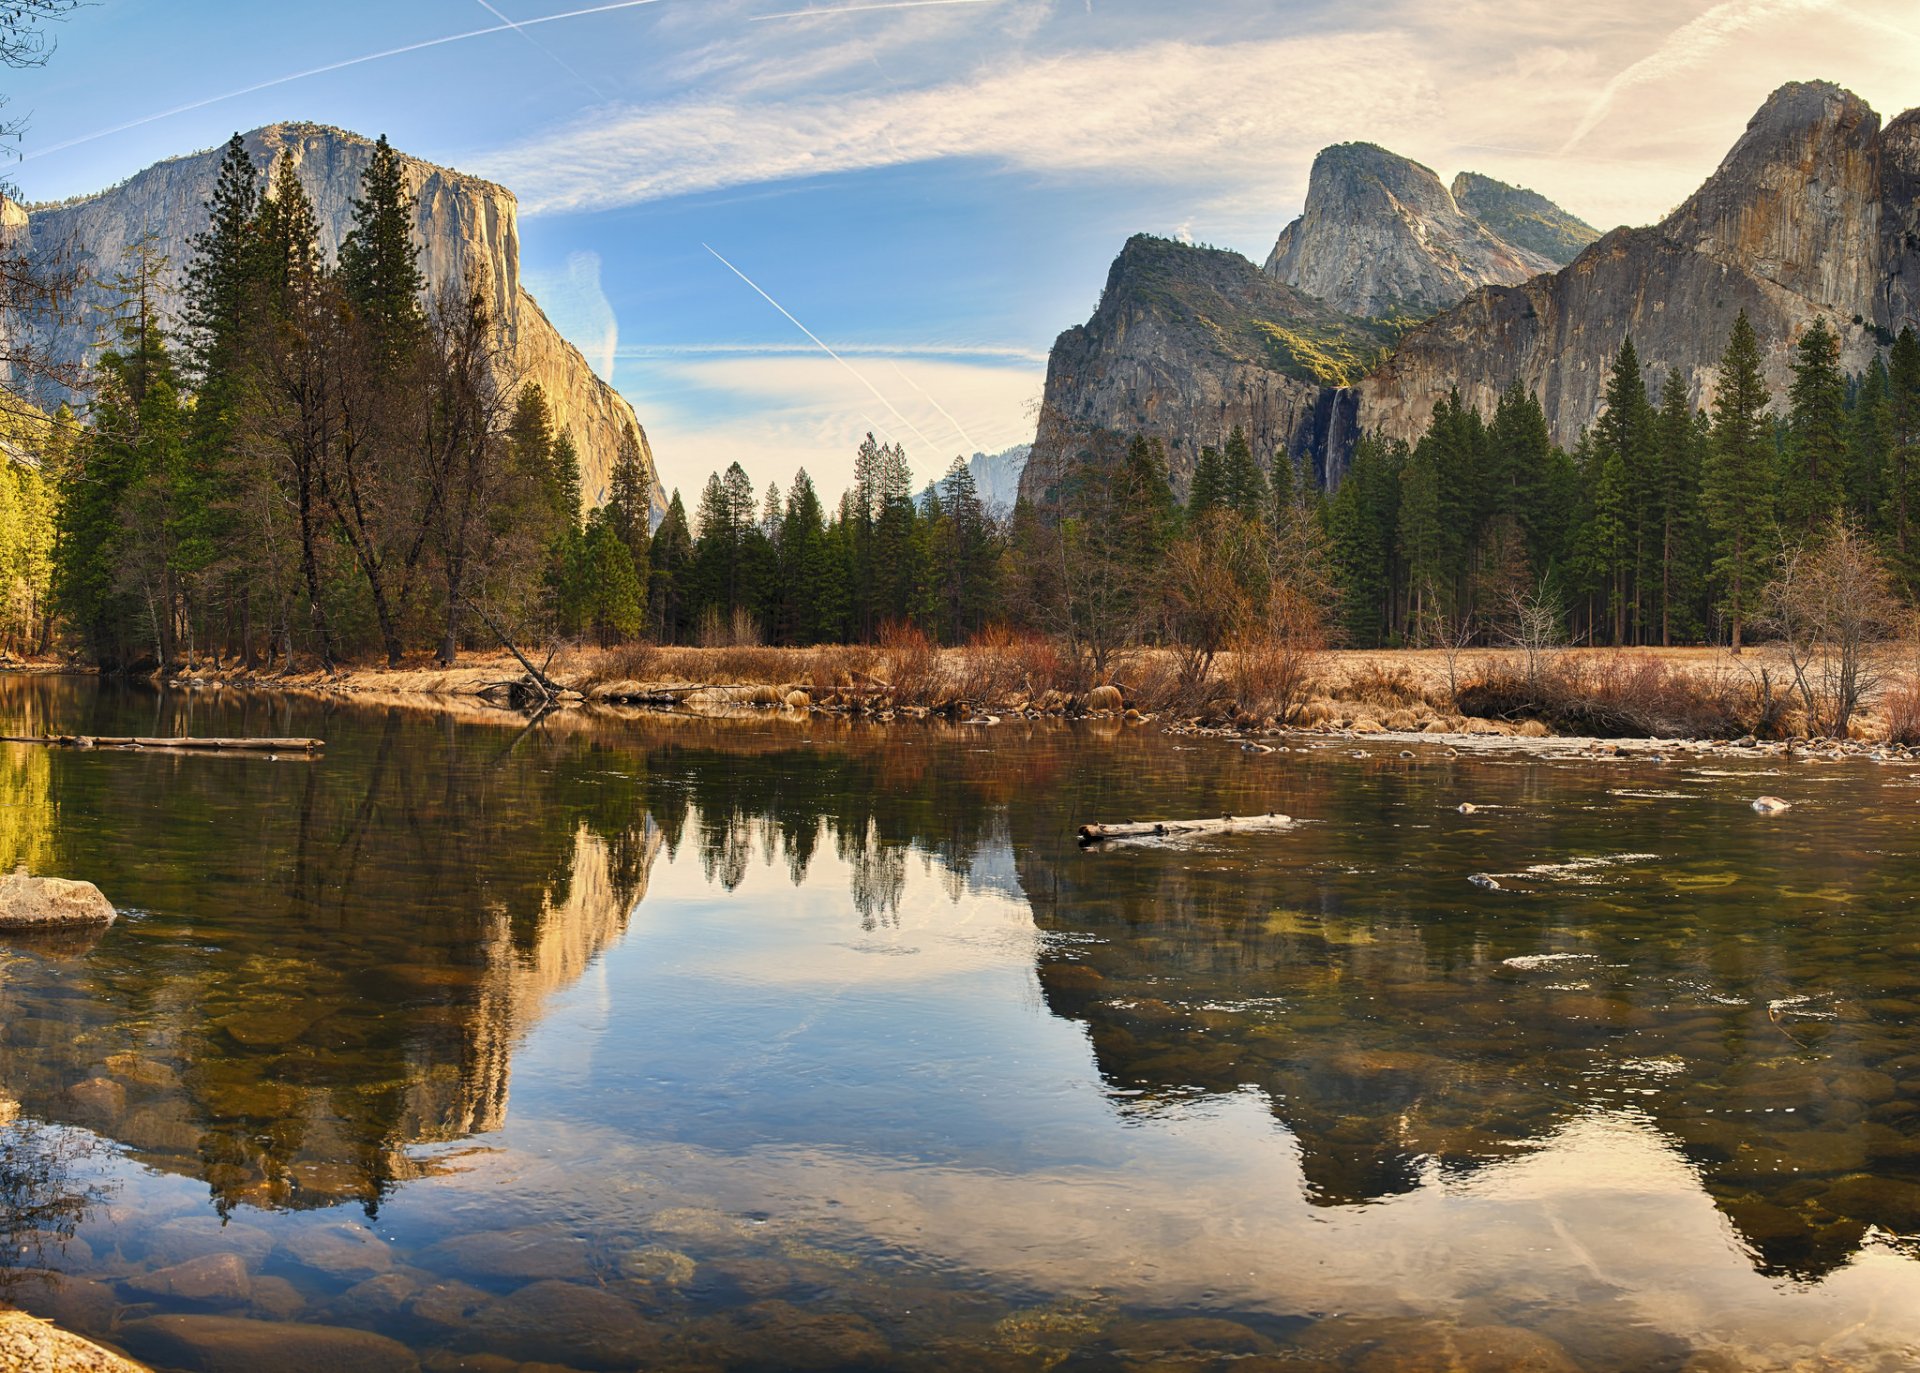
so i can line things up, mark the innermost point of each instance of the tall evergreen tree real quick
(1209, 490)
(1816, 457)
(1738, 481)
(1901, 484)
(1245, 486)
(1628, 496)
(379, 259)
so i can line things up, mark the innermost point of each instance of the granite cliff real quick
(465, 225)
(1189, 343)
(1381, 235)
(1814, 212)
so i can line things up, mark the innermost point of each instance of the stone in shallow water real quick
(229, 1344)
(211, 1279)
(656, 1265)
(189, 1237)
(447, 1305)
(527, 1255)
(568, 1323)
(276, 1299)
(339, 1250)
(778, 1334)
(38, 903)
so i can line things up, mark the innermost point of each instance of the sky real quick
(776, 225)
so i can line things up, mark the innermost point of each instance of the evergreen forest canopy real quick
(315, 460)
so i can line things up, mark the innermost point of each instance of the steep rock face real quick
(465, 225)
(1522, 217)
(1187, 344)
(1382, 236)
(1810, 214)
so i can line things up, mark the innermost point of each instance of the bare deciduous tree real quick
(1833, 609)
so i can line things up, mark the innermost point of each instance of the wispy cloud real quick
(1685, 49)
(1154, 112)
(578, 306)
(342, 65)
(829, 11)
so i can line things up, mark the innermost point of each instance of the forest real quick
(319, 460)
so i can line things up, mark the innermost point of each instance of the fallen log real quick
(189, 743)
(1158, 829)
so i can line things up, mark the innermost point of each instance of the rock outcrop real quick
(1189, 343)
(1809, 215)
(1814, 213)
(465, 226)
(1382, 236)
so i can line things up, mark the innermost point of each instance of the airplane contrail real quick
(867, 9)
(854, 371)
(339, 66)
(958, 428)
(543, 50)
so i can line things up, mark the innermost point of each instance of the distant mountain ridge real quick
(464, 225)
(1814, 212)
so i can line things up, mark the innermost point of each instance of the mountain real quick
(465, 224)
(996, 477)
(1188, 343)
(1524, 218)
(1815, 212)
(1382, 236)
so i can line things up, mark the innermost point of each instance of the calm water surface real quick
(659, 1043)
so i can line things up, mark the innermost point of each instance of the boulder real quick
(212, 1279)
(1772, 805)
(38, 903)
(230, 1344)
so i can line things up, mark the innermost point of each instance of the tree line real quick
(319, 458)
(1664, 525)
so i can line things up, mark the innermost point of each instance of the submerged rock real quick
(230, 1344)
(1772, 805)
(568, 1322)
(38, 903)
(212, 1279)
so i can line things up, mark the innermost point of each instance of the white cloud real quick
(1163, 111)
(772, 414)
(579, 309)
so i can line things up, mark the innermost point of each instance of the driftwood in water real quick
(1160, 829)
(192, 744)
(537, 683)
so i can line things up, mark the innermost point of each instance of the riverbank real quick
(1681, 693)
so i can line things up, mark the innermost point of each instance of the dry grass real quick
(1619, 695)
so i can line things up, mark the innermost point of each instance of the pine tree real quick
(1869, 447)
(1815, 461)
(630, 501)
(1627, 497)
(669, 595)
(1361, 520)
(379, 260)
(1901, 483)
(1244, 485)
(1679, 448)
(613, 601)
(1208, 491)
(1738, 481)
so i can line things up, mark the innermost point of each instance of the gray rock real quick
(525, 1255)
(565, 1322)
(212, 1279)
(338, 1250)
(39, 903)
(232, 1344)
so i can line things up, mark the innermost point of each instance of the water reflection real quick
(826, 1044)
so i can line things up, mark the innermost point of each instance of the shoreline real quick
(1398, 696)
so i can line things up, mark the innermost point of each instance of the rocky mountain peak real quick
(1382, 236)
(467, 228)
(1797, 198)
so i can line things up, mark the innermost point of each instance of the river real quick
(659, 1042)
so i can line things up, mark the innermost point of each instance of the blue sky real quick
(934, 188)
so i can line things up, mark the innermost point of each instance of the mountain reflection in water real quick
(793, 1037)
